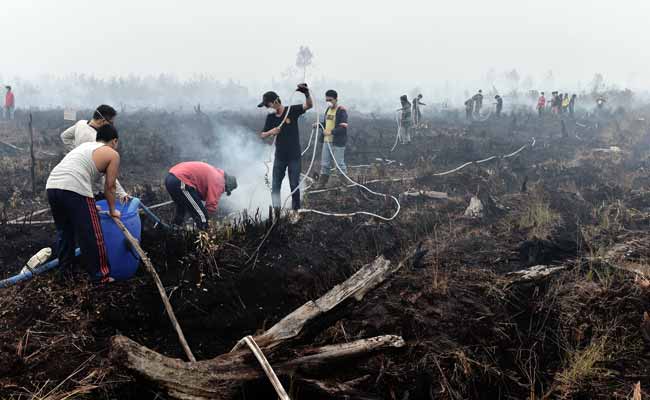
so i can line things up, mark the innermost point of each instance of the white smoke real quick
(243, 154)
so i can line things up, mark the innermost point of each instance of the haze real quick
(399, 41)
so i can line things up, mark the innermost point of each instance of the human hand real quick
(115, 214)
(302, 88)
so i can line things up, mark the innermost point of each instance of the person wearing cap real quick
(84, 131)
(405, 121)
(478, 102)
(10, 104)
(282, 125)
(334, 136)
(196, 187)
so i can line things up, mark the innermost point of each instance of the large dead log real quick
(220, 377)
(363, 281)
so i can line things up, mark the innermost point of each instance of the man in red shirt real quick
(10, 104)
(193, 183)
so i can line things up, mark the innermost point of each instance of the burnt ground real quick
(472, 331)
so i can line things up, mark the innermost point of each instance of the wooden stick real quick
(268, 370)
(31, 153)
(159, 285)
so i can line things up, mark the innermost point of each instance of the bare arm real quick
(111, 179)
(309, 103)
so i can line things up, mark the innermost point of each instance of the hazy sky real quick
(401, 40)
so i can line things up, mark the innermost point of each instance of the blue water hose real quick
(154, 217)
(35, 271)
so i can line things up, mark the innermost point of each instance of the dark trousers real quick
(279, 168)
(187, 199)
(76, 215)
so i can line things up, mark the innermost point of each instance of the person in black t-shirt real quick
(282, 123)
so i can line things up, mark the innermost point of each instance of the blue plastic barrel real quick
(123, 260)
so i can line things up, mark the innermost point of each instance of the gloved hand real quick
(302, 88)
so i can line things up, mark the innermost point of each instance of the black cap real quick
(268, 97)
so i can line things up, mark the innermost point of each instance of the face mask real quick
(330, 104)
(270, 111)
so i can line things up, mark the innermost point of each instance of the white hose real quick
(353, 184)
(399, 125)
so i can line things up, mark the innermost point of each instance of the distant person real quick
(553, 102)
(478, 102)
(565, 103)
(541, 104)
(193, 183)
(499, 105)
(404, 130)
(600, 102)
(84, 131)
(417, 114)
(10, 104)
(70, 194)
(469, 108)
(572, 104)
(334, 137)
(282, 124)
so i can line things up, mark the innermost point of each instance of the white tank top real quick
(77, 171)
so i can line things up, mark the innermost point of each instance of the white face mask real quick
(330, 104)
(270, 110)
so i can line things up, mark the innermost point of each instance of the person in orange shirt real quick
(10, 104)
(196, 187)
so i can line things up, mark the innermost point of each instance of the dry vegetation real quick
(472, 328)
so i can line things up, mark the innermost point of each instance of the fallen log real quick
(291, 326)
(423, 194)
(220, 377)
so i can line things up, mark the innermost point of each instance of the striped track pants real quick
(187, 199)
(76, 217)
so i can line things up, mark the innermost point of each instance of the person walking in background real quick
(334, 136)
(193, 183)
(565, 103)
(572, 104)
(404, 130)
(541, 104)
(499, 105)
(478, 102)
(469, 108)
(10, 104)
(282, 123)
(417, 114)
